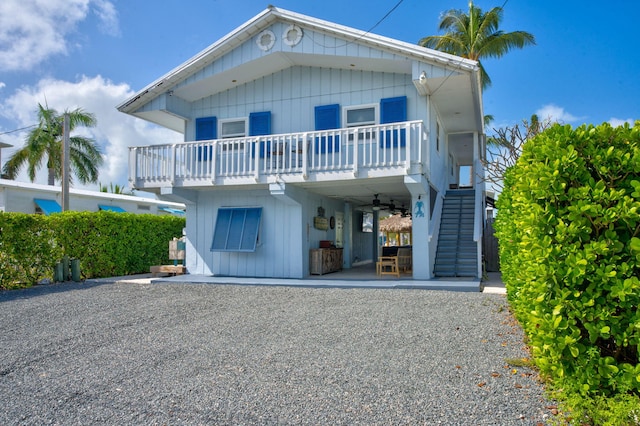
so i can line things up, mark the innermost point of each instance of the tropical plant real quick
(476, 35)
(114, 189)
(44, 143)
(569, 234)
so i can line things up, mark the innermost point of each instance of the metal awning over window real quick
(112, 208)
(237, 229)
(171, 210)
(47, 206)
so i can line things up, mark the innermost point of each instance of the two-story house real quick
(299, 131)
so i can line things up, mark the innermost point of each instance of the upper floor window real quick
(233, 128)
(361, 115)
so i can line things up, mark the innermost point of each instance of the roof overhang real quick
(451, 91)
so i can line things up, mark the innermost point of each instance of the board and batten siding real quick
(313, 42)
(292, 94)
(286, 234)
(279, 235)
(276, 231)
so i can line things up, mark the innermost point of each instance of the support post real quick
(65, 163)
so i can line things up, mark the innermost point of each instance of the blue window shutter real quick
(393, 110)
(251, 226)
(327, 117)
(206, 129)
(260, 124)
(236, 229)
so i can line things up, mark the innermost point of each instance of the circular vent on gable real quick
(292, 35)
(266, 40)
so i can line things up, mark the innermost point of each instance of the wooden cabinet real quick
(325, 260)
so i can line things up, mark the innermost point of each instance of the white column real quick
(418, 186)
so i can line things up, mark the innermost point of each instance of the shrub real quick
(28, 250)
(569, 229)
(106, 243)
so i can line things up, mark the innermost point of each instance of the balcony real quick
(351, 153)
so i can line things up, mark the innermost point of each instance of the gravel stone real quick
(115, 353)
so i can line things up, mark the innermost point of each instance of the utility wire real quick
(17, 130)
(365, 33)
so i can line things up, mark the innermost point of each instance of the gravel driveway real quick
(223, 354)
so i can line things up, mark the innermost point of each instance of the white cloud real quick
(2, 85)
(555, 114)
(31, 31)
(106, 11)
(615, 122)
(115, 131)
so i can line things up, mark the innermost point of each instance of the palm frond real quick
(44, 143)
(476, 35)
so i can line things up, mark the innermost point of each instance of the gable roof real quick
(397, 56)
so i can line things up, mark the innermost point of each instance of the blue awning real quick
(48, 206)
(170, 210)
(112, 208)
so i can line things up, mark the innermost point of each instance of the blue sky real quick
(95, 53)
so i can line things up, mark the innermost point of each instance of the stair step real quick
(456, 254)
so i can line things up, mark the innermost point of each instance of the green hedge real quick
(106, 243)
(568, 224)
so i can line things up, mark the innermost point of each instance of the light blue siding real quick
(286, 234)
(292, 94)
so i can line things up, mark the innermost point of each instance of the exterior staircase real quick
(457, 253)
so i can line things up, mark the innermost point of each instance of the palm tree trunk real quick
(52, 177)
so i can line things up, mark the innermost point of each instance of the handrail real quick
(344, 150)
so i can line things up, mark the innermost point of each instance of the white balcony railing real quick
(256, 158)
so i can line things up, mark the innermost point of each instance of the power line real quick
(17, 130)
(386, 16)
(363, 34)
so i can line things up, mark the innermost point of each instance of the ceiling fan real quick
(377, 204)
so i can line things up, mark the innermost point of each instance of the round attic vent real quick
(292, 35)
(266, 40)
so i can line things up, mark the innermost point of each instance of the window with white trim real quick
(361, 115)
(233, 128)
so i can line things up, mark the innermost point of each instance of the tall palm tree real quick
(476, 36)
(45, 142)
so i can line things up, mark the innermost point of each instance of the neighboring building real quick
(296, 129)
(46, 199)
